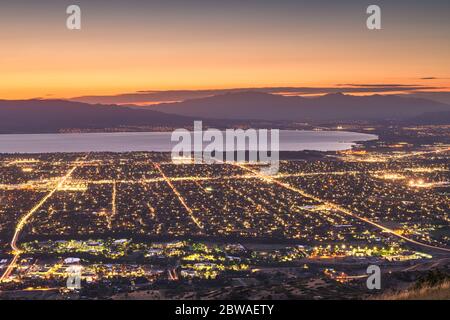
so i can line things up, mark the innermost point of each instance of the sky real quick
(136, 45)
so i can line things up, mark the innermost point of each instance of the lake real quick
(290, 140)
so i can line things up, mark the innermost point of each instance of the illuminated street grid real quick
(120, 194)
(351, 205)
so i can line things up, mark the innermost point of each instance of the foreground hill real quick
(40, 116)
(438, 292)
(264, 106)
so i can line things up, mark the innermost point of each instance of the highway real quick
(179, 196)
(24, 220)
(47, 185)
(338, 208)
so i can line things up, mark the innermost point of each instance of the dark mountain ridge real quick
(432, 118)
(337, 106)
(40, 116)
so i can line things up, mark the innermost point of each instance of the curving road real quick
(24, 220)
(339, 208)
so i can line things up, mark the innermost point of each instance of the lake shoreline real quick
(122, 142)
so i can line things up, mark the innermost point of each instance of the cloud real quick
(434, 78)
(378, 85)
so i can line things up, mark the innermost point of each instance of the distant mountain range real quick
(337, 106)
(40, 116)
(149, 97)
(33, 116)
(443, 97)
(432, 118)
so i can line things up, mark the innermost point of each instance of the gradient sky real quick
(126, 46)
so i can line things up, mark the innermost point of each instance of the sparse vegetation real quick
(435, 285)
(439, 292)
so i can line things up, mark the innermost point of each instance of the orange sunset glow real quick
(168, 48)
